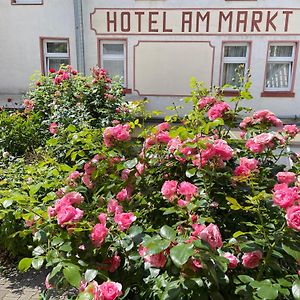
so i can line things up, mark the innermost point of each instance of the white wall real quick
(21, 26)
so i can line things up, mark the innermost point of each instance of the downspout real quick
(79, 38)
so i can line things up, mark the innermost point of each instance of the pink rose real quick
(122, 195)
(169, 189)
(218, 110)
(111, 264)
(222, 150)
(198, 228)
(187, 189)
(124, 220)
(255, 147)
(102, 218)
(74, 175)
(163, 137)
(211, 234)
(241, 171)
(163, 126)
(117, 133)
(233, 261)
(140, 169)
(249, 163)
(53, 128)
(73, 198)
(291, 130)
(293, 217)
(109, 290)
(113, 207)
(252, 259)
(98, 235)
(286, 177)
(284, 196)
(47, 284)
(206, 101)
(156, 260)
(69, 214)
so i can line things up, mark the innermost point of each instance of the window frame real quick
(45, 55)
(228, 60)
(275, 91)
(27, 2)
(101, 56)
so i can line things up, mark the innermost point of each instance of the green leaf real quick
(168, 232)
(130, 164)
(267, 292)
(190, 173)
(71, 128)
(294, 253)
(90, 274)
(85, 296)
(7, 203)
(72, 275)
(37, 262)
(245, 278)
(181, 253)
(24, 264)
(156, 245)
(134, 231)
(296, 289)
(235, 205)
(239, 233)
(38, 251)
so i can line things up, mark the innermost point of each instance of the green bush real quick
(66, 97)
(21, 132)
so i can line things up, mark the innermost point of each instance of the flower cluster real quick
(171, 189)
(66, 213)
(247, 165)
(106, 291)
(116, 133)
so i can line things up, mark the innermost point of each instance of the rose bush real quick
(183, 211)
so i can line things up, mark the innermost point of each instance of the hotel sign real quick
(216, 21)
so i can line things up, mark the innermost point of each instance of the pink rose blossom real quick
(206, 101)
(163, 137)
(156, 260)
(73, 198)
(187, 189)
(169, 189)
(102, 218)
(285, 196)
(163, 126)
(198, 228)
(98, 235)
(241, 171)
(182, 203)
(222, 150)
(123, 195)
(51, 212)
(86, 179)
(293, 217)
(69, 214)
(109, 290)
(47, 284)
(111, 264)
(291, 130)
(211, 234)
(124, 220)
(53, 128)
(74, 175)
(286, 177)
(252, 259)
(140, 169)
(117, 133)
(113, 207)
(218, 110)
(249, 163)
(233, 261)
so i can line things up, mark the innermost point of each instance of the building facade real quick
(156, 46)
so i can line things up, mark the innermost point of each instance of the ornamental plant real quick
(188, 210)
(65, 97)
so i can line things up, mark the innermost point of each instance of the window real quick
(113, 58)
(55, 53)
(235, 56)
(27, 2)
(279, 68)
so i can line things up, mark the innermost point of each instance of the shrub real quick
(66, 97)
(21, 132)
(192, 212)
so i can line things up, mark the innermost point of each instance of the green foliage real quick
(20, 132)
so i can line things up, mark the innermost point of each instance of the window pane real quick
(235, 51)
(230, 73)
(57, 47)
(281, 51)
(113, 49)
(278, 75)
(114, 67)
(54, 63)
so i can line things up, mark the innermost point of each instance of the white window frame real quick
(27, 2)
(115, 57)
(48, 55)
(234, 59)
(286, 59)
